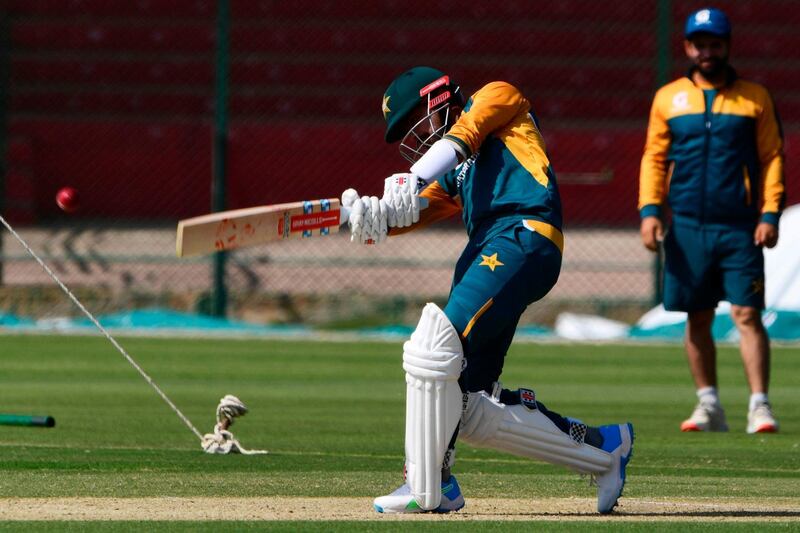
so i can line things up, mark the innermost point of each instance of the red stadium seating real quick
(104, 71)
(409, 10)
(549, 107)
(292, 37)
(119, 95)
(93, 101)
(596, 167)
(131, 73)
(562, 11)
(741, 12)
(19, 187)
(536, 77)
(119, 178)
(112, 8)
(112, 36)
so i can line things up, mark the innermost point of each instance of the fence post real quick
(663, 75)
(219, 295)
(5, 59)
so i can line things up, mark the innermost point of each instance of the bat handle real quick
(344, 212)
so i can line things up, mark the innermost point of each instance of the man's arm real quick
(492, 107)
(653, 178)
(769, 138)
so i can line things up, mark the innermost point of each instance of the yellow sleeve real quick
(653, 171)
(440, 206)
(489, 109)
(770, 153)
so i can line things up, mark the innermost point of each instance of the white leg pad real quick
(527, 432)
(432, 359)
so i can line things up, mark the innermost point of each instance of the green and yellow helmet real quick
(409, 89)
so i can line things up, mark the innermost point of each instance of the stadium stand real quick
(119, 92)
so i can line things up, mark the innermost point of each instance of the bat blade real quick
(228, 230)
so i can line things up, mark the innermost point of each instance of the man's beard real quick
(717, 68)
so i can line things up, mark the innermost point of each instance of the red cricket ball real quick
(67, 199)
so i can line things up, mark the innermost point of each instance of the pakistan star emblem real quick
(758, 286)
(385, 106)
(491, 261)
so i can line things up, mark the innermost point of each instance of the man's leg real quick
(432, 360)
(700, 349)
(526, 428)
(407, 498)
(692, 283)
(742, 266)
(485, 307)
(754, 346)
(701, 354)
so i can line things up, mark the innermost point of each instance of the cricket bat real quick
(237, 228)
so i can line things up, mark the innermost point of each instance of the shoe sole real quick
(767, 428)
(445, 511)
(691, 428)
(437, 511)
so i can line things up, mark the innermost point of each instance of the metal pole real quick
(219, 297)
(5, 53)
(663, 75)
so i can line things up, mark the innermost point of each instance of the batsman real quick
(485, 158)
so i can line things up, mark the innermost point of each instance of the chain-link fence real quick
(125, 100)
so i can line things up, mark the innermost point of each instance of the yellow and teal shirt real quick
(506, 174)
(714, 155)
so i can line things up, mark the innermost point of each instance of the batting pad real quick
(527, 432)
(432, 359)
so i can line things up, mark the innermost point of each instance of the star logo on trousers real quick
(758, 286)
(491, 261)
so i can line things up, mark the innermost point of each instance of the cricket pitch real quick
(360, 509)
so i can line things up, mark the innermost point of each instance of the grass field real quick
(331, 415)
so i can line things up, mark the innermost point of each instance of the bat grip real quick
(344, 212)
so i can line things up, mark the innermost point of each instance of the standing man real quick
(485, 159)
(714, 153)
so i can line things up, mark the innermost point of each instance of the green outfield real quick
(331, 415)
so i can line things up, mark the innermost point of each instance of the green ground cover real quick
(331, 415)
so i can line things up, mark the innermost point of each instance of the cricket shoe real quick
(401, 500)
(761, 420)
(618, 441)
(706, 417)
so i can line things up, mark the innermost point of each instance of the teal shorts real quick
(495, 279)
(707, 264)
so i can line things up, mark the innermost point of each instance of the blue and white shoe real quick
(401, 500)
(618, 441)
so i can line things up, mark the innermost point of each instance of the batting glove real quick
(401, 195)
(367, 219)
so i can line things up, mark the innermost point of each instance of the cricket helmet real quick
(419, 85)
(409, 89)
(708, 20)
